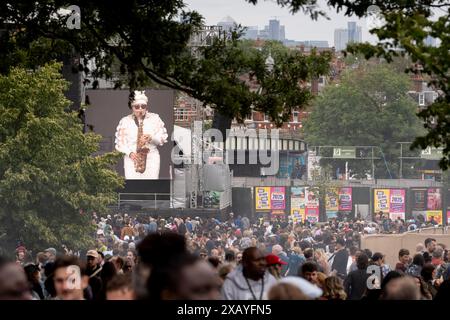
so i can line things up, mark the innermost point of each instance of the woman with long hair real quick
(321, 259)
(333, 289)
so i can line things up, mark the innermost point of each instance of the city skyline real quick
(298, 27)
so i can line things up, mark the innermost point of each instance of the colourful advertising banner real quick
(312, 214)
(434, 199)
(397, 204)
(298, 204)
(271, 198)
(277, 198)
(345, 199)
(298, 215)
(332, 200)
(436, 215)
(312, 205)
(298, 198)
(262, 198)
(381, 200)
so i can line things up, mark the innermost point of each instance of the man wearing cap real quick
(275, 265)
(93, 271)
(278, 251)
(153, 133)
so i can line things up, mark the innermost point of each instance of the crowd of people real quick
(144, 257)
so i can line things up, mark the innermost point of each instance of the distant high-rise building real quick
(359, 34)
(274, 29)
(251, 33)
(354, 32)
(282, 33)
(227, 23)
(340, 39)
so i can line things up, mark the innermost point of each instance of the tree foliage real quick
(405, 26)
(149, 41)
(369, 107)
(47, 169)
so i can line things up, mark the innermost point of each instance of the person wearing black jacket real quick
(355, 283)
(340, 259)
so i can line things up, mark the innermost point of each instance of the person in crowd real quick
(428, 274)
(286, 291)
(437, 257)
(355, 283)
(249, 281)
(278, 251)
(339, 259)
(321, 259)
(321, 279)
(167, 271)
(403, 260)
(50, 254)
(430, 246)
(401, 288)
(21, 255)
(415, 268)
(70, 278)
(333, 289)
(379, 259)
(132, 257)
(33, 273)
(275, 265)
(309, 271)
(310, 290)
(120, 288)
(93, 271)
(13, 281)
(424, 292)
(296, 259)
(443, 293)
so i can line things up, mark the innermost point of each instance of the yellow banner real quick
(332, 200)
(262, 198)
(381, 200)
(437, 215)
(298, 215)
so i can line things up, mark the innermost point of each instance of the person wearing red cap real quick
(275, 265)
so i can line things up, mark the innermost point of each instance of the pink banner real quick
(397, 201)
(345, 199)
(278, 198)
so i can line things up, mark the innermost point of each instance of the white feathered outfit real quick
(126, 140)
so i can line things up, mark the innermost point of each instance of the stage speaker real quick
(242, 202)
(216, 177)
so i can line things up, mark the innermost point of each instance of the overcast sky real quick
(298, 27)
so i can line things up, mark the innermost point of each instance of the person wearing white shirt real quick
(154, 134)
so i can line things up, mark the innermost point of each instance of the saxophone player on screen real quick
(138, 136)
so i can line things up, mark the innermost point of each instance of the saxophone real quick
(141, 147)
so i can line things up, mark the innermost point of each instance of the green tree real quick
(49, 178)
(149, 42)
(369, 107)
(405, 26)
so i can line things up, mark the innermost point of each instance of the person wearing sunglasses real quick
(138, 136)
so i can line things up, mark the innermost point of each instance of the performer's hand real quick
(133, 156)
(147, 138)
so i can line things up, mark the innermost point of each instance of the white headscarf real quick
(139, 98)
